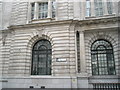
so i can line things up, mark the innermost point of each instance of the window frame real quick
(49, 13)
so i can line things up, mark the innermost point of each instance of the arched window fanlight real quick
(41, 58)
(102, 58)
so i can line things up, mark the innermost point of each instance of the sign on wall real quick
(61, 60)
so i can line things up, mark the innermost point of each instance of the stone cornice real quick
(80, 22)
(31, 25)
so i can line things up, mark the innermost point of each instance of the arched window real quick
(41, 58)
(102, 58)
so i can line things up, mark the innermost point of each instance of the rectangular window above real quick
(43, 10)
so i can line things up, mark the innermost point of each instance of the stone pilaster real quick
(82, 53)
(76, 10)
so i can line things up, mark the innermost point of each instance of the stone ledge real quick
(39, 77)
(40, 24)
(97, 17)
(42, 20)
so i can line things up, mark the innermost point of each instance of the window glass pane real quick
(43, 10)
(88, 7)
(32, 10)
(109, 7)
(98, 7)
(95, 69)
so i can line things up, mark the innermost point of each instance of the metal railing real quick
(106, 86)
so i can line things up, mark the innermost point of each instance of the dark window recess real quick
(78, 50)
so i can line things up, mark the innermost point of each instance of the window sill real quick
(104, 16)
(42, 20)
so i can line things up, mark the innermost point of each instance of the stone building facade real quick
(60, 44)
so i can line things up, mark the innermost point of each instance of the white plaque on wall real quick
(61, 59)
